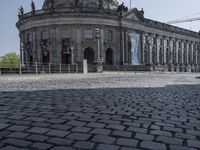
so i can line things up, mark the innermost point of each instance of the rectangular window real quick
(88, 34)
(108, 35)
(66, 34)
(45, 35)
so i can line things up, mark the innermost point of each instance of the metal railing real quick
(50, 68)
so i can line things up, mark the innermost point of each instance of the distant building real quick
(64, 31)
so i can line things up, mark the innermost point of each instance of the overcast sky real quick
(160, 10)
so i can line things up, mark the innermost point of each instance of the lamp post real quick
(97, 31)
(99, 67)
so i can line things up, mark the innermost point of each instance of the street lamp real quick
(97, 31)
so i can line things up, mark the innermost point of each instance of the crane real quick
(183, 20)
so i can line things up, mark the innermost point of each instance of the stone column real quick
(171, 49)
(157, 49)
(34, 41)
(196, 54)
(192, 51)
(177, 50)
(182, 51)
(164, 50)
(143, 47)
(38, 46)
(187, 52)
(149, 49)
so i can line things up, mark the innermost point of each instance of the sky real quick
(159, 10)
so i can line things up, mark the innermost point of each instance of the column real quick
(196, 54)
(187, 52)
(157, 49)
(192, 56)
(177, 50)
(143, 47)
(182, 51)
(164, 50)
(34, 41)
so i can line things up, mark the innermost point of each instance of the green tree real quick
(10, 60)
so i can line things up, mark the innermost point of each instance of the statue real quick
(121, 8)
(21, 11)
(100, 4)
(33, 7)
(52, 4)
(76, 3)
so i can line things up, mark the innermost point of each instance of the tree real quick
(10, 60)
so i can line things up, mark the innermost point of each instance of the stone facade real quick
(64, 32)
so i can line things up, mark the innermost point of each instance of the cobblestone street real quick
(100, 112)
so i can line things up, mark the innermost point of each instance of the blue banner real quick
(135, 48)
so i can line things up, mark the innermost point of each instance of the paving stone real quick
(137, 130)
(127, 142)
(38, 138)
(144, 137)
(103, 139)
(3, 126)
(12, 148)
(17, 142)
(95, 125)
(60, 141)
(62, 148)
(76, 123)
(38, 130)
(122, 134)
(17, 128)
(176, 147)
(81, 129)
(153, 145)
(57, 133)
(40, 124)
(115, 127)
(61, 127)
(169, 140)
(79, 136)
(107, 147)
(84, 145)
(19, 135)
(41, 146)
(101, 131)
(193, 143)
(162, 133)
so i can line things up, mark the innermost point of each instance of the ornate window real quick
(66, 34)
(88, 34)
(108, 35)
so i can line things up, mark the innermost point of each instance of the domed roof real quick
(106, 4)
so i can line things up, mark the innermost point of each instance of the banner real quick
(135, 48)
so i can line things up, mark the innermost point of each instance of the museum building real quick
(68, 31)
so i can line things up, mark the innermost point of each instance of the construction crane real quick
(183, 20)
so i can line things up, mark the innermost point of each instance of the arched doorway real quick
(89, 55)
(109, 56)
(66, 57)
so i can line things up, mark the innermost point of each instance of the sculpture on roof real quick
(21, 11)
(33, 7)
(122, 8)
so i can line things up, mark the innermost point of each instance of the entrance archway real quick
(109, 56)
(66, 58)
(89, 55)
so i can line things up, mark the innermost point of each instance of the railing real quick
(40, 68)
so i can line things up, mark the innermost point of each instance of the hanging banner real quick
(135, 48)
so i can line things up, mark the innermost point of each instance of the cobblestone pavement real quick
(100, 112)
